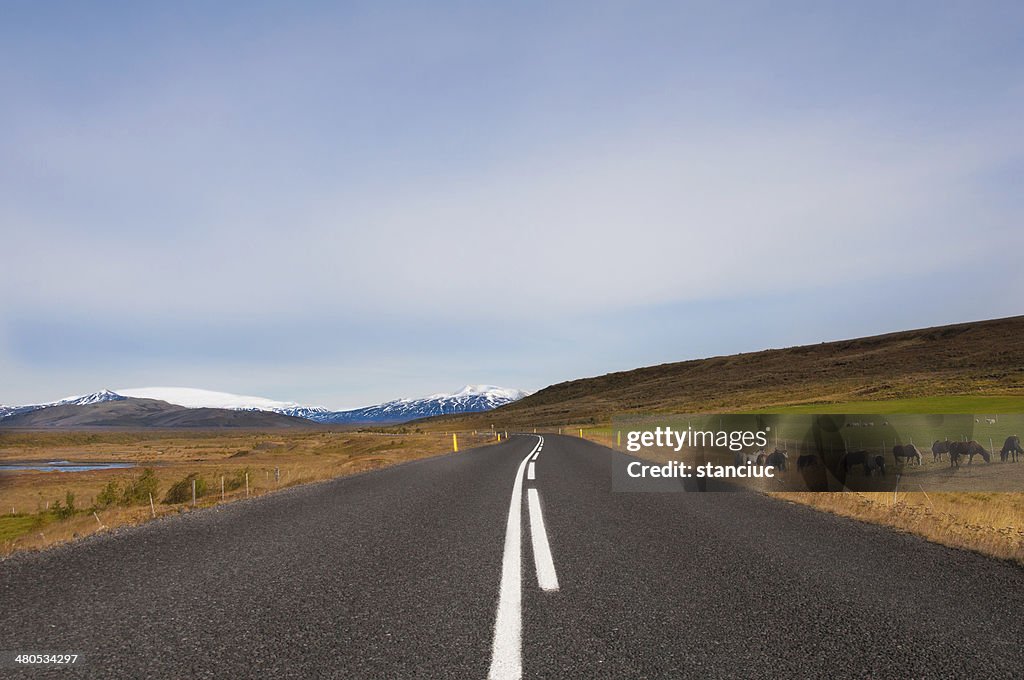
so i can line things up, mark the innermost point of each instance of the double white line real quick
(506, 653)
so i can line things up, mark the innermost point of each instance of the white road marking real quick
(507, 650)
(535, 455)
(547, 579)
(530, 472)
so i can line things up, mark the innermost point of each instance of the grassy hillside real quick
(972, 360)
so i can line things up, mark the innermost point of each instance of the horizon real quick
(526, 392)
(343, 205)
(199, 393)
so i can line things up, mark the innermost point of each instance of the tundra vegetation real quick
(40, 509)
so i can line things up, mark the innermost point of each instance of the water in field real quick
(60, 466)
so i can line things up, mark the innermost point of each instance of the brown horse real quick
(958, 450)
(907, 452)
(940, 449)
(1011, 447)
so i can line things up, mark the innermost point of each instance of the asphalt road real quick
(413, 571)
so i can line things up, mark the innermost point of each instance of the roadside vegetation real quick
(41, 509)
(988, 523)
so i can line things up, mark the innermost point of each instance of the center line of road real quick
(530, 472)
(507, 650)
(547, 579)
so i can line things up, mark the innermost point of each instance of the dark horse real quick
(869, 463)
(777, 459)
(907, 452)
(1011, 447)
(939, 449)
(969, 450)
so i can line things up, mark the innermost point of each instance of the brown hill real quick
(131, 414)
(977, 358)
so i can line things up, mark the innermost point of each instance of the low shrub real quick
(109, 495)
(68, 509)
(138, 491)
(181, 491)
(237, 480)
(134, 492)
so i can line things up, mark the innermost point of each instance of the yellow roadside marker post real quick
(455, 442)
(618, 438)
(581, 433)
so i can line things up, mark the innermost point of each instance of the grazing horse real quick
(869, 463)
(906, 451)
(1011, 447)
(777, 459)
(958, 450)
(939, 449)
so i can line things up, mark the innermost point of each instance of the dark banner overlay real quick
(819, 452)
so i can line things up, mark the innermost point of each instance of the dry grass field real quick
(987, 523)
(34, 505)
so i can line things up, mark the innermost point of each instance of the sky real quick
(344, 203)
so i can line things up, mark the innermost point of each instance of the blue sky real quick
(341, 204)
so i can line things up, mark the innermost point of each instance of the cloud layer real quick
(358, 204)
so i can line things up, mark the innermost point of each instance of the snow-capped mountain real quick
(94, 398)
(470, 399)
(79, 400)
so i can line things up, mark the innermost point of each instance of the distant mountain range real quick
(130, 413)
(471, 399)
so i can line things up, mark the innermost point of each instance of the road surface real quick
(464, 566)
